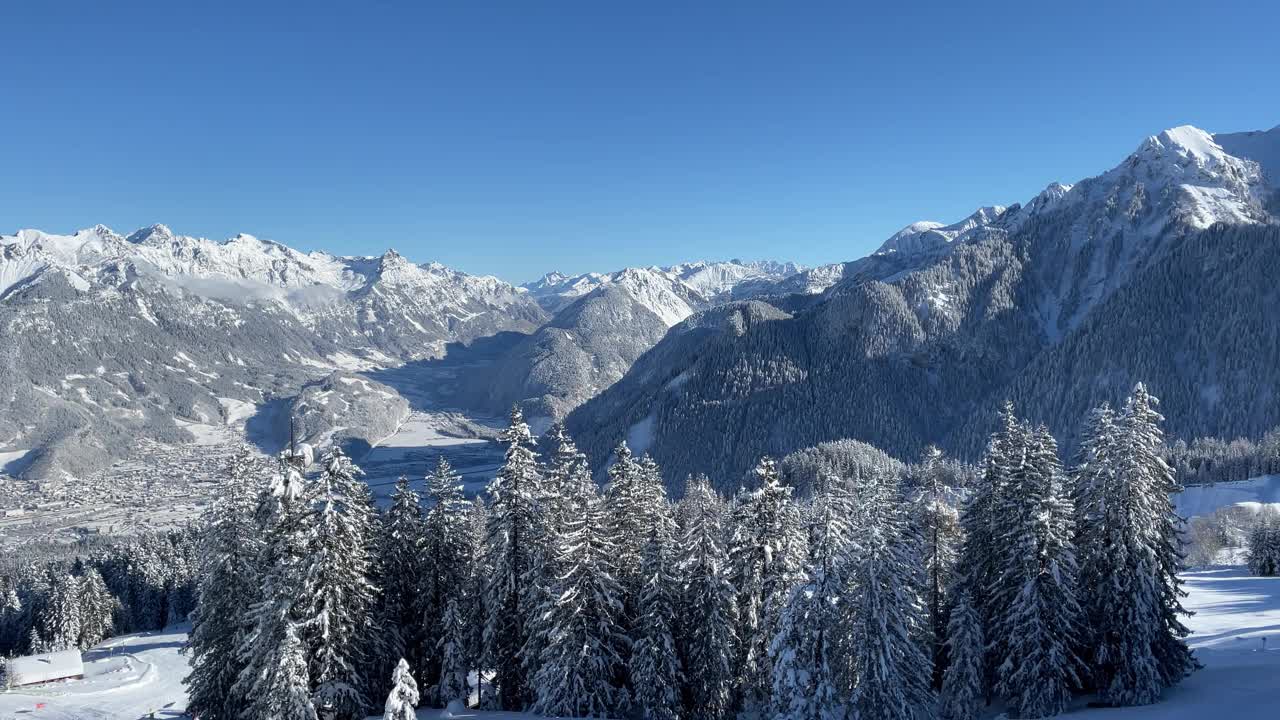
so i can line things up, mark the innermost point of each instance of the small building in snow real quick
(42, 668)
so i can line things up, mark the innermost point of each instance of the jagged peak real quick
(1188, 141)
(151, 234)
(925, 235)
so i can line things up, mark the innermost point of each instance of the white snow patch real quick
(640, 435)
(237, 410)
(1199, 500)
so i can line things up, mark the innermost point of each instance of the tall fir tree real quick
(1037, 599)
(654, 661)
(766, 551)
(444, 561)
(978, 571)
(454, 660)
(1144, 440)
(59, 617)
(400, 557)
(707, 610)
(1093, 483)
(97, 608)
(229, 581)
(938, 524)
(885, 613)
(581, 662)
(274, 681)
(811, 674)
(630, 516)
(963, 683)
(473, 596)
(562, 495)
(338, 596)
(512, 521)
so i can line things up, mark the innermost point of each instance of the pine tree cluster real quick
(882, 593)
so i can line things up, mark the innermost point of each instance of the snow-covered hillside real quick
(1201, 500)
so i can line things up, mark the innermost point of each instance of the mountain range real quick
(1159, 269)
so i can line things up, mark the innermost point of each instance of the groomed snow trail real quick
(126, 678)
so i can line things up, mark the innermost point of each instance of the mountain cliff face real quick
(1059, 304)
(105, 338)
(604, 322)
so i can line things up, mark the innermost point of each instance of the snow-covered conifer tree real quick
(229, 584)
(562, 494)
(1039, 613)
(473, 600)
(938, 524)
(400, 572)
(766, 552)
(444, 561)
(582, 662)
(811, 674)
(59, 618)
(1142, 464)
(454, 661)
(274, 681)
(654, 662)
(97, 609)
(337, 595)
(963, 683)
(1264, 545)
(512, 522)
(624, 498)
(977, 570)
(885, 613)
(707, 612)
(404, 694)
(10, 618)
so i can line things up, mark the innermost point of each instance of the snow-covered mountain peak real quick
(157, 234)
(927, 235)
(1188, 141)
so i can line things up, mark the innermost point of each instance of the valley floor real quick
(1236, 635)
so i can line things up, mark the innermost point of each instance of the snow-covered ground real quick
(1205, 499)
(1236, 636)
(422, 439)
(128, 677)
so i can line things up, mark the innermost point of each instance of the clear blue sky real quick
(517, 137)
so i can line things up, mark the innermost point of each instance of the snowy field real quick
(131, 677)
(1205, 499)
(414, 449)
(1236, 637)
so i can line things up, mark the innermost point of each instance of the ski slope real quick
(128, 677)
(1236, 636)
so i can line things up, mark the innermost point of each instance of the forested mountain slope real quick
(1058, 304)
